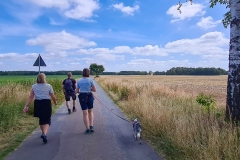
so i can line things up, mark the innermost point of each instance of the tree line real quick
(15, 73)
(172, 71)
(196, 71)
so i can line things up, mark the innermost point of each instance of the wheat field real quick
(173, 122)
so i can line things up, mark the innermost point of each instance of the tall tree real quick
(233, 85)
(96, 69)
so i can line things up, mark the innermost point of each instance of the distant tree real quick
(96, 69)
(159, 73)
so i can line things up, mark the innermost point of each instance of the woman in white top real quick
(43, 93)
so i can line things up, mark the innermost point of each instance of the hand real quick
(25, 109)
(55, 103)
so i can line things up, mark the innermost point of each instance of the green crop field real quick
(4, 79)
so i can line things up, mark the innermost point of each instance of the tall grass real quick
(13, 98)
(14, 124)
(173, 121)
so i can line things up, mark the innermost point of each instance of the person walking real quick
(43, 93)
(85, 87)
(69, 86)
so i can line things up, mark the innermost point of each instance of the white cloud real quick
(147, 50)
(140, 61)
(17, 57)
(209, 44)
(109, 57)
(83, 9)
(207, 23)
(154, 65)
(75, 9)
(53, 42)
(187, 11)
(211, 47)
(126, 9)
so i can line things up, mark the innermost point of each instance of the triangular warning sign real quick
(39, 62)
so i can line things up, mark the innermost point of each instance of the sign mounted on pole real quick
(39, 62)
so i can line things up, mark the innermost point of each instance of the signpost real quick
(39, 62)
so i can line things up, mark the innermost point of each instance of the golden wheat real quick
(172, 119)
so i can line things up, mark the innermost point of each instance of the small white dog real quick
(137, 129)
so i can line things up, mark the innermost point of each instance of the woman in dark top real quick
(85, 87)
(43, 94)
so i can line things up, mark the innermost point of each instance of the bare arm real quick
(53, 98)
(63, 89)
(93, 89)
(75, 86)
(31, 96)
(77, 90)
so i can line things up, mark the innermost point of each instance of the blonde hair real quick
(41, 78)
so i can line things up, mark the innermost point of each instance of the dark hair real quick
(85, 72)
(69, 74)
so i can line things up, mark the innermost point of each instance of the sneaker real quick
(41, 136)
(87, 131)
(91, 129)
(69, 111)
(74, 109)
(44, 138)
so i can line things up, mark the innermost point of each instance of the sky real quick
(121, 35)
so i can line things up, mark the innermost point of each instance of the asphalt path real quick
(112, 140)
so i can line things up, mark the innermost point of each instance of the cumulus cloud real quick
(211, 47)
(109, 57)
(207, 23)
(126, 9)
(75, 9)
(147, 50)
(154, 65)
(53, 42)
(140, 61)
(17, 56)
(211, 43)
(187, 11)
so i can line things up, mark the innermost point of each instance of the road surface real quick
(112, 140)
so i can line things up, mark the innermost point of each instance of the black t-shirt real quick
(73, 82)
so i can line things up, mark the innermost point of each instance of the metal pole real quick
(39, 62)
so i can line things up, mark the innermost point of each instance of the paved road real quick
(112, 139)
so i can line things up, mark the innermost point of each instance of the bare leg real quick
(67, 104)
(91, 116)
(44, 128)
(86, 119)
(74, 103)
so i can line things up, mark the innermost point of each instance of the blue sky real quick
(120, 35)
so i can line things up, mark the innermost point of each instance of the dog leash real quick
(110, 109)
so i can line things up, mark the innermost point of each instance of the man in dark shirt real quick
(69, 86)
